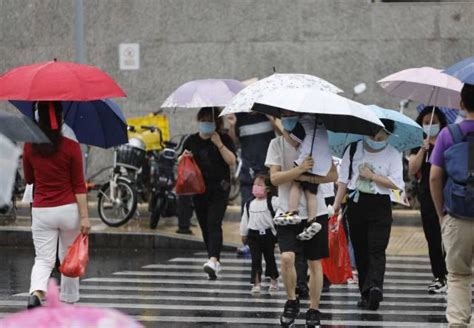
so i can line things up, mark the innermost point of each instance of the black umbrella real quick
(20, 128)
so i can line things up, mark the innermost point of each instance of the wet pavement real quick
(169, 289)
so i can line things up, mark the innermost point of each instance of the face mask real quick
(375, 145)
(462, 113)
(289, 122)
(207, 127)
(431, 131)
(258, 191)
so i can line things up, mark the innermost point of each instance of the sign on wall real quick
(129, 56)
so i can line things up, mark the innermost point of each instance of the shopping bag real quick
(190, 180)
(75, 262)
(337, 267)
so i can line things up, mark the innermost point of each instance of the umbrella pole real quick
(314, 134)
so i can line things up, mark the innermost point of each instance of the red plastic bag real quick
(190, 180)
(75, 262)
(337, 267)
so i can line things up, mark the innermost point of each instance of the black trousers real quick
(262, 244)
(210, 209)
(370, 222)
(301, 265)
(432, 230)
(185, 211)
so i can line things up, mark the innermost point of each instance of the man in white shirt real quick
(280, 160)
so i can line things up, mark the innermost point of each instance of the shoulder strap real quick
(352, 150)
(270, 205)
(247, 206)
(456, 133)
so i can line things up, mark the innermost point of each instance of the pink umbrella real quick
(58, 315)
(203, 93)
(426, 85)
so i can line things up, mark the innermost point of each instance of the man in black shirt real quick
(253, 131)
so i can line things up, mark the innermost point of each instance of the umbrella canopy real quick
(339, 114)
(97, 123)
(56, 80)
(203, 93)
(9, 154)
(426, 85)
(20, 128)
(58, 315)
(245, 99)
(407, 133)
(463, 71)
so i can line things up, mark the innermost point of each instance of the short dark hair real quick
(271, 190)
(211, 112)
(389, 125)
(427, 110)
(467, 97)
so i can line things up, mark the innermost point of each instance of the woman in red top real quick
(59, 201)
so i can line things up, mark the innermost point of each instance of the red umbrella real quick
(55, 80)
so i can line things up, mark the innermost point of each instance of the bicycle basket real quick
(130, 157)
(166, 161)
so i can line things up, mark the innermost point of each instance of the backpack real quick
(269, 205)
(459, 167)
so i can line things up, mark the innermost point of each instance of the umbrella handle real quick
(314, 134)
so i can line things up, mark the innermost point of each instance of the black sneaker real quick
(184, 231)
(290, 313)
(313, 318)
(302, 292)
(375, 297)
(437, 286)
(362, 303)
(33, 301)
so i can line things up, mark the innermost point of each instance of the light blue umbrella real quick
(406, 135)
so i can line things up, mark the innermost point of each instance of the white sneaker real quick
(287, 218)
(310, 231)
(212, 269)
(255, 290)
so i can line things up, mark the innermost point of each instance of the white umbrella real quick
(244, 100)
(338, 114)
(9, 154)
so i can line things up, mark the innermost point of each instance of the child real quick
(256, 228)
(313, 139)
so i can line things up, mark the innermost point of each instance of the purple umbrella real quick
(203, 93)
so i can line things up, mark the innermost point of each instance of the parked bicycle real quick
(138, 174)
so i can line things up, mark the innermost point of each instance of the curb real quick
(21, 237)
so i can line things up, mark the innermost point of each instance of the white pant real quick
(49, 223)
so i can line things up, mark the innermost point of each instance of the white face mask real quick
(431, 131)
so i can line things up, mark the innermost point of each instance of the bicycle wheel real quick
(116, 212)
(234, 188)
(156, 212)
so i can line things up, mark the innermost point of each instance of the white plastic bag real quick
(28, 194)
(9, 154)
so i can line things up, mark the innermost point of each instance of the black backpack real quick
(269, 205)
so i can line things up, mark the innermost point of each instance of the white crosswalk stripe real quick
(178, 292)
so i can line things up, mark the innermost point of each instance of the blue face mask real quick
(375, 145)
(289, 122)
(207, 127)
(431, 131)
